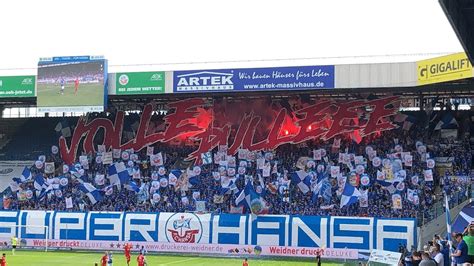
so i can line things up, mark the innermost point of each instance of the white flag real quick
(335, 170)
(266, 170)
(107, 158)
(364, 198)
(156, 160)
(150, 151)
(317, 155)
(428, 175)
(49, 167)
(69, 203)
(116, 153)
(100, 148)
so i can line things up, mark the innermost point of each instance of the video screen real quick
(71, 85)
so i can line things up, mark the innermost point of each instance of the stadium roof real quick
(460, 13)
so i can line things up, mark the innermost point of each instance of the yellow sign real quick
(444, 68)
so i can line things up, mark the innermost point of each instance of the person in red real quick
(76, 85)
(245, 263)
(127, 248)
(141, 260)
(103, 261)
(3, 261)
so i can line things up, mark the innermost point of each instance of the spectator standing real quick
(426, 260)
(469, 239)
(460, 255)
(416, 258)
(437, 255)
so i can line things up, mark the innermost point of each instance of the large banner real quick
(444, 68)
(140, 83)
(208, 249)
(277, 235)
(17, 86)
(261, 124)
(254, 79)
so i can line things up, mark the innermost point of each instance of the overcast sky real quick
(142, 32)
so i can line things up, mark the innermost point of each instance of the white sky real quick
(178, 31)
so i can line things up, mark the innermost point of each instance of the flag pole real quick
(448, 220)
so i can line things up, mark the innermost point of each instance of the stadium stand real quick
(177, 185)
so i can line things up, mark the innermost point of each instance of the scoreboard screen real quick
(72, 84)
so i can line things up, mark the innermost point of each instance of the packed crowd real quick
(457, 249)
(395, 173)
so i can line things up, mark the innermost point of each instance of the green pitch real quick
(52, 258)
(87, 95)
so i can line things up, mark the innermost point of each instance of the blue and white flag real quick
(45, 191)
(194, 177)
(132, 186)
(174, 176)
(326, 190)
(118, 174)
(316, 183)
(350, 195)
(228, 186)
(76, 170)
(42, 186)
(464, 219)
(92, 193)
(39, 183)
(448, 219)
(302, 180)
(244, 197)
(25, 176)
(143, 194)
(321, 189)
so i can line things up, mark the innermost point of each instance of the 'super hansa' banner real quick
(260, 124)
(276, 235)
